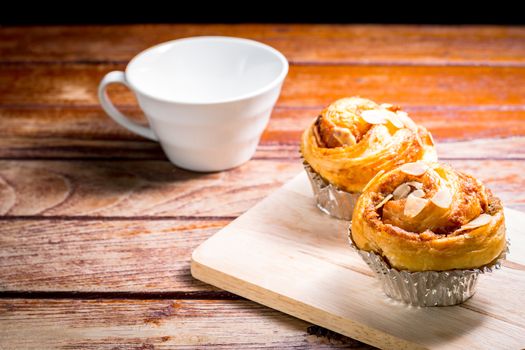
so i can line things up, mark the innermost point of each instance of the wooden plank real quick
(286, 124)
(286, 254)
(51, 148)
(360, 44)
(133, 256)
(155, 324)
(507, 148)
(131, 188)
(306, 86)
(157, 189)
(61, 149)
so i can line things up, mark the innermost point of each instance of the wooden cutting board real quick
(285, 254)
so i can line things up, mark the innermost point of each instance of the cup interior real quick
(206, 70)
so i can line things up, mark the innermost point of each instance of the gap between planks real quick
(152, 295)
(292, 62)
(130, 107)
(261, 158)
(115, 218)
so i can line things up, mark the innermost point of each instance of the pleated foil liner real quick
(331, 200)
(426, 288)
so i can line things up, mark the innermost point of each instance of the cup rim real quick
(277, 80)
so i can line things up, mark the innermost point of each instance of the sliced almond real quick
(414, 205)
(374, 116)
(415, 184)
(401, 191)
(419, 141)
(416, 168)
(431, 139)
(442, 198)
(381, 116)
(395, 120)
(409, 123)
(418, 193)
(383, 202)
(481, 220)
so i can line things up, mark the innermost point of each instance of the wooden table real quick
(97, 227)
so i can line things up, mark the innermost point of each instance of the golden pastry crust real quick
(433, 237)
(347, 151)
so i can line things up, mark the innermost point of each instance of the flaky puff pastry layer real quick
(347, 151)
(436, 239)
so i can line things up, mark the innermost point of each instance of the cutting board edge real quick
(282, 303)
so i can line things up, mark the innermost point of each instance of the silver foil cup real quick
(331, 200)
(426, 288)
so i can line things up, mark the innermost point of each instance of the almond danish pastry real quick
(438, 226)
(353, 139)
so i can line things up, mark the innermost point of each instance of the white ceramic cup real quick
(207, 99)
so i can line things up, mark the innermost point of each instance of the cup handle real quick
(113, 112)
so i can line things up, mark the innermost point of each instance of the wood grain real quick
(125, 256)
(64, 149)
(155, 324)
(158, 189)
(286, 124)
(302, 44)
(101, 245)
(284, 249)
(135, 188)
(306, 86)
